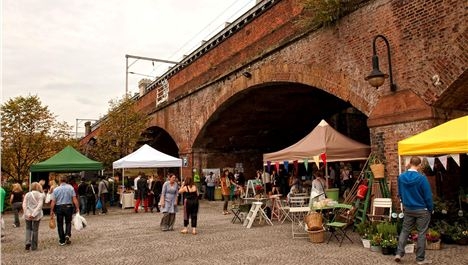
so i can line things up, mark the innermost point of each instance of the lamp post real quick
(376, 78)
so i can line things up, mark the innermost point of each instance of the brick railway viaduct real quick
(266, 80)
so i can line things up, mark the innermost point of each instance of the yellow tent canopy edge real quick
(448, 138)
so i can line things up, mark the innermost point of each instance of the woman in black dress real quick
(190, 192)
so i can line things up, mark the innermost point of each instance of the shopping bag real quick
(52, 224)
(48, 198)
(78, 222)
(99, 204)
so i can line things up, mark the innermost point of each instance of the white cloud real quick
(72, 53)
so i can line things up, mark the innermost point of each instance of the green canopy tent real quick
(67, 160)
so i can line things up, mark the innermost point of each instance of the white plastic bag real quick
(79, 222)
(47, 198)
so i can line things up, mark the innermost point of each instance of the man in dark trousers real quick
(142, 193)
(62, 202)
(416, 196)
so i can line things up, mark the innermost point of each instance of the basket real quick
(316, 236)
(433, 245)
(378, 170)
(313, 221)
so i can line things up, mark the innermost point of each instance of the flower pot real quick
(433, 245)
(388, 250)
(409, 248)
(366, 243)
(376, 248)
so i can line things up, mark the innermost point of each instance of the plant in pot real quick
(365, 231)
(375, 243)
(432, 239)
(377, 165)
(389, 246)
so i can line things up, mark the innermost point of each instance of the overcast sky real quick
(72, 53)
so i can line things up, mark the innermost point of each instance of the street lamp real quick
(376, 78)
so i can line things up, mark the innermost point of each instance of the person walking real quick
(190, 191)
(416, 196)
(91, 197)
(169, 194)
(210, 186)
(142, 191)
(82, 187)
(103, 191)
(32, 209)
(156, 189)
(16, 201)
(63, 200)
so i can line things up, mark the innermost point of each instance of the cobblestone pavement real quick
(124, 237)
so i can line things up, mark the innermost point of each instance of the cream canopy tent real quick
(448, 138)
(323, 139)
(147, 157)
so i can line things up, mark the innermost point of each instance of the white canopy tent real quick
(146, 157)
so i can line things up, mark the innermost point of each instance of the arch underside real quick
(269, 117)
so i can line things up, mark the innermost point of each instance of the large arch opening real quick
(269, 117)
(159, 139)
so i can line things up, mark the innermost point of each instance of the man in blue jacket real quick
(416, 196)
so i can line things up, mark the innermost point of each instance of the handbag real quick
(52, 223)
(99, 204)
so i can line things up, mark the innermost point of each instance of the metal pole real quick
(150, 59)
(126, 76)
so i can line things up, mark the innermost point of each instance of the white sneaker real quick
(426, 261)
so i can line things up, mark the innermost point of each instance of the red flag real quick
(277, 167)
(323, 156)
(296, 167)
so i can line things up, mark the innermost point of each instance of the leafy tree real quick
(119, 132)
(30, 133)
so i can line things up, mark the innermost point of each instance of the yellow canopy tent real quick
(448, 138)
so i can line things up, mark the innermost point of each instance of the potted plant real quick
(375, 243)
(364, 230)
(376, 164)
(432, 239)
(389, 246)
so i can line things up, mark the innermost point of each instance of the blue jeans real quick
(210, 193)
(418, 219)
(83, 204)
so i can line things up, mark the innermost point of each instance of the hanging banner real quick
(286, 166)
(430, 161)
(456, 158)
(317, 162)
(443, 161)
(306, 164)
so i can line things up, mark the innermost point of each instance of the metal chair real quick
(343, 218)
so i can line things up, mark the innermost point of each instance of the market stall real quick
(145, 157)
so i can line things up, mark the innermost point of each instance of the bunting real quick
(323, 156)
(296, 166)
(317, 162)
(443, 160)
(286, 166)
(268, 166)
(277, 167)
(306, 164)
(456, 158)
(431, 161)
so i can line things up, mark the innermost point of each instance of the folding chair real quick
(284, 211)
(343, 218)
(239, 212)
(382, 205)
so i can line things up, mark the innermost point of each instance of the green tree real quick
(30, 133)
(119, 133)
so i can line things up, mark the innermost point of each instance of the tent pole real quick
(399, 164)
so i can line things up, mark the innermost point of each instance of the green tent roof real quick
(67, 160)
